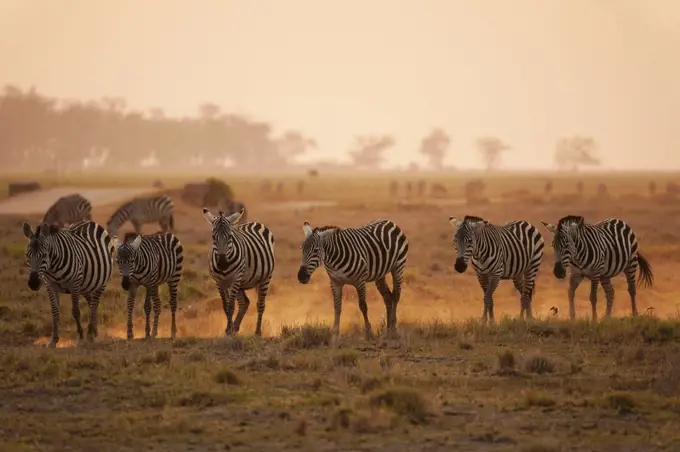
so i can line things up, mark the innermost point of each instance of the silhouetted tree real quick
(571, 153)
(293, 143)
(369, 151)
(434, 147)
(491, 149)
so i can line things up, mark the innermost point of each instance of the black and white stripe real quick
(356, 256)
(142, 210)
(598, 252)
(76, 260)
(149, 261)
(68, 209)
(513, 251)
(241, 258)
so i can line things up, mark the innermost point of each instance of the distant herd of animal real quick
(69, 253)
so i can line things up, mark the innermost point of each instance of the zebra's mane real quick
(472, 218)
(570, 219)
(326, 228)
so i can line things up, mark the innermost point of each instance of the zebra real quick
(76, 260)
(143, 210)
(356, 256)
(513, 251)
(149, 261)
(241, 258)
(598, 252)
(68, 209)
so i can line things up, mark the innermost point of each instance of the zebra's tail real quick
(646, 274)
(171, 222)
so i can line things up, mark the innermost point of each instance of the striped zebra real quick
(149, 261)
(144, 210)
(68, 209)
(76, 260)
(598, 252)
(241, 258)
(513, 251)
(356, 256)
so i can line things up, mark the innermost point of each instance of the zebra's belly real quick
(250, 280)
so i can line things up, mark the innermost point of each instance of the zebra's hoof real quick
(51, 344)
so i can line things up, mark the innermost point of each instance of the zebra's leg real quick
(228, 309)
(484, 284)
(262, 292)
(361, 293)
(336, 289)
(609, 295)
(630, 279)
(488, 297)
(156, 311)
(518, 282)
(574, 281)
(397, 279)
(172, 288)
(381, 284)
(594, 285)
(75, 309)
(528, 294)
(243, 304)
(93, 304)
(54, 302)
(147, 314)
(231, 294)
(132, 293)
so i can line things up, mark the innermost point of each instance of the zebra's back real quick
(257, 242)
(616, 241)
(166, 252)
(380, 244)
(521, 248)
(91, 244)
(68, 209)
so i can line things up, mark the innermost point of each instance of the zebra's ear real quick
(208, 216)
(454, 222)
(234, 217)
(115, 242)
(550, 227)
(136, 242)
(307, 229)
(28, 232)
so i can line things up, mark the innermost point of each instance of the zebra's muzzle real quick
(34, 281)
(559, 271)
(303, 275)
(221, 263)
(460, 266)
(125, 283)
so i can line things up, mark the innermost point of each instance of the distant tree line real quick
(39, 132)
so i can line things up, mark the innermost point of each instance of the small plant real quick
(506, 363)
(405, 402)
(539, 364)
(622, 402)
(307, 336)
(348, 358)
(228, 376)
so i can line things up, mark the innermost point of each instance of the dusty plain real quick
(445, 383)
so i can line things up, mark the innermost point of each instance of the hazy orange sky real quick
(528, 71)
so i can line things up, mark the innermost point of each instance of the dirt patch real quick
(39, 202)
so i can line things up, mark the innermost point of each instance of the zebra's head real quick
(563, 243)
(126, 257)
(463, 239)
(222, 234)
(312, 251)
(37, 252)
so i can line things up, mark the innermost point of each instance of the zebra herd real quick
(78, 260)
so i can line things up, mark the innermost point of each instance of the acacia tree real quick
(293, 143)
(491, 150)
(576, 151)
(434, 147)
(368, 151)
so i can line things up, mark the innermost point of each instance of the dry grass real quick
(444, 382)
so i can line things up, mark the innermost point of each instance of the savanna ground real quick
(445, 383)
